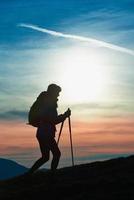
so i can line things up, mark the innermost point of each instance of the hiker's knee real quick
(57, 154)
(45, 157)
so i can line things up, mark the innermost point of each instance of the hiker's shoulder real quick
(42, 96)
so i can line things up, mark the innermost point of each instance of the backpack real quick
(34, 115)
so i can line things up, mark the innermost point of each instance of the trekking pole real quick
(70, 131)
(60, 132)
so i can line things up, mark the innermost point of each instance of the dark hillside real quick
(111, 179)
(9, 169)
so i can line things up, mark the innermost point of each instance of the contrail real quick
(80, 38)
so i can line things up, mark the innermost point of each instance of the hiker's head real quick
(53, 90)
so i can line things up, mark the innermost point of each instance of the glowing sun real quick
(83, 77)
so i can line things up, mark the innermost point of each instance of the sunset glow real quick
(85, 47)
(83, 75)
(18, 140)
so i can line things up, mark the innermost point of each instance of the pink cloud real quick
(99, 136)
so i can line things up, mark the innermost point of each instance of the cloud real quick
(104, 106)
(79, 38)
(13, 115)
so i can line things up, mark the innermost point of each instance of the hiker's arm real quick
(62, 117)
(55, 118)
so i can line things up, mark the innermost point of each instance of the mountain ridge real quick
(111, 179)
(10, 169)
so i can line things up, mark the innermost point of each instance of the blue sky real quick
(66, 14)
(110, 21)
(30, 60)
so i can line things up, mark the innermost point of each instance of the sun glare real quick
(83, 77)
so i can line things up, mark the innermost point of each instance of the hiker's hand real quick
(67, 113)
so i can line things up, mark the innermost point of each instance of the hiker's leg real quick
(39, 162)
(56, 155)
(44, 148)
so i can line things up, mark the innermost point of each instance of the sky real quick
(85, 46)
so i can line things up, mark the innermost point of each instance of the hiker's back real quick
(35, 112)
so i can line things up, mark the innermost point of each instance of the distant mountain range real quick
(102, 180)
(10, 169)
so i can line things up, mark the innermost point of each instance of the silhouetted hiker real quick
(47, 127)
